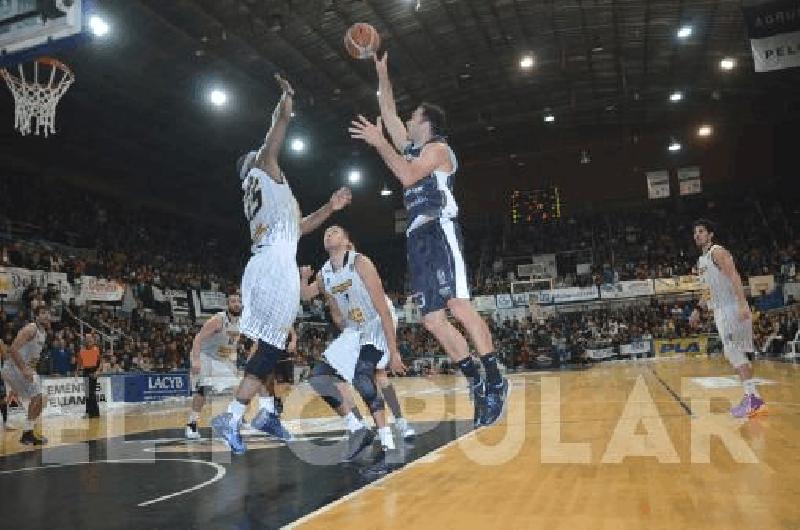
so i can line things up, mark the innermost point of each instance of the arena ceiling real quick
(138, 114)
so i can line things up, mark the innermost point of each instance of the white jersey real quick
(723, 292)
(271, 210)
(736, 334)
(353, 300)
(30, 352)
(222, 345)
(270, 283)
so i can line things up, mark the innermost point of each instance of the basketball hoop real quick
(37, 101)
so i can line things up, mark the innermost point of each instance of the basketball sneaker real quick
(29, 438)
(191, 431)
(404, 429)
(357, 442)
(378, 468)
(477, 394)
(495, 402)
(751, 405)
(224, 428)
(270, 424)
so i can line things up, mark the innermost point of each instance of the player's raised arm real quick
(267, 158)
(394, 125)
(408, 172)
(340, 199)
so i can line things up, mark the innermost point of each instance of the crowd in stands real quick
(66, 229)
(61, 228)
(762, 234)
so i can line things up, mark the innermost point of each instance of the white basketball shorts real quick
(270, 295)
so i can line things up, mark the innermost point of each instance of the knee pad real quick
(364, 381)
(323, 380)
(263, 361)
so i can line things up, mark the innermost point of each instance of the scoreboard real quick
(535, 206)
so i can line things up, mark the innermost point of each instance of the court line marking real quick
(218, 476)
(674, 395)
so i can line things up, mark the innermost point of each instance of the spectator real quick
(88, 363)
(61, 358)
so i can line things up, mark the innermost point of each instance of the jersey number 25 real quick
(252, 198)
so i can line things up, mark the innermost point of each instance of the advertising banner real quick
(693, 346)
(628, 289)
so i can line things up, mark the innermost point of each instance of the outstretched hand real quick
(341, 198)
(286, 87)
(365, 130)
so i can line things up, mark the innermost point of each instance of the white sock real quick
(193, 417)
(237, 410)
(27, 425)
(267, 403)
(750, 387)
(353, 423)
(387, 440)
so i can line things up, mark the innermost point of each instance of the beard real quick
(235, 313)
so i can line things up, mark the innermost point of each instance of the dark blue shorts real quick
(436, 264)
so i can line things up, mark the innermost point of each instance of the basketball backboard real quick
(34, 27)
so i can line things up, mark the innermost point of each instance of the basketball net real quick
(35, 101)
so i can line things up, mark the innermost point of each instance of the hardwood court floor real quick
(526, 481)
(620, 445)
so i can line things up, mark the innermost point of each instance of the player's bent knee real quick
(381, 378)
(364, 381)
(324, 381)
(263, 361)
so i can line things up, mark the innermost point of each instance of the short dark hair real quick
(40, 309)
(705, 223)
(346, 233)
(435, 116)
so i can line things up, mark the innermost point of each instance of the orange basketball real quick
(362, 41)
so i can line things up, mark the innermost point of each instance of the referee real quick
(88, 362)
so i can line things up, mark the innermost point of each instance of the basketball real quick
(362, 40)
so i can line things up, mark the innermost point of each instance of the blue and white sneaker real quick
(477, 394)
(224, 428)
(496, 396)
(270, 424)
